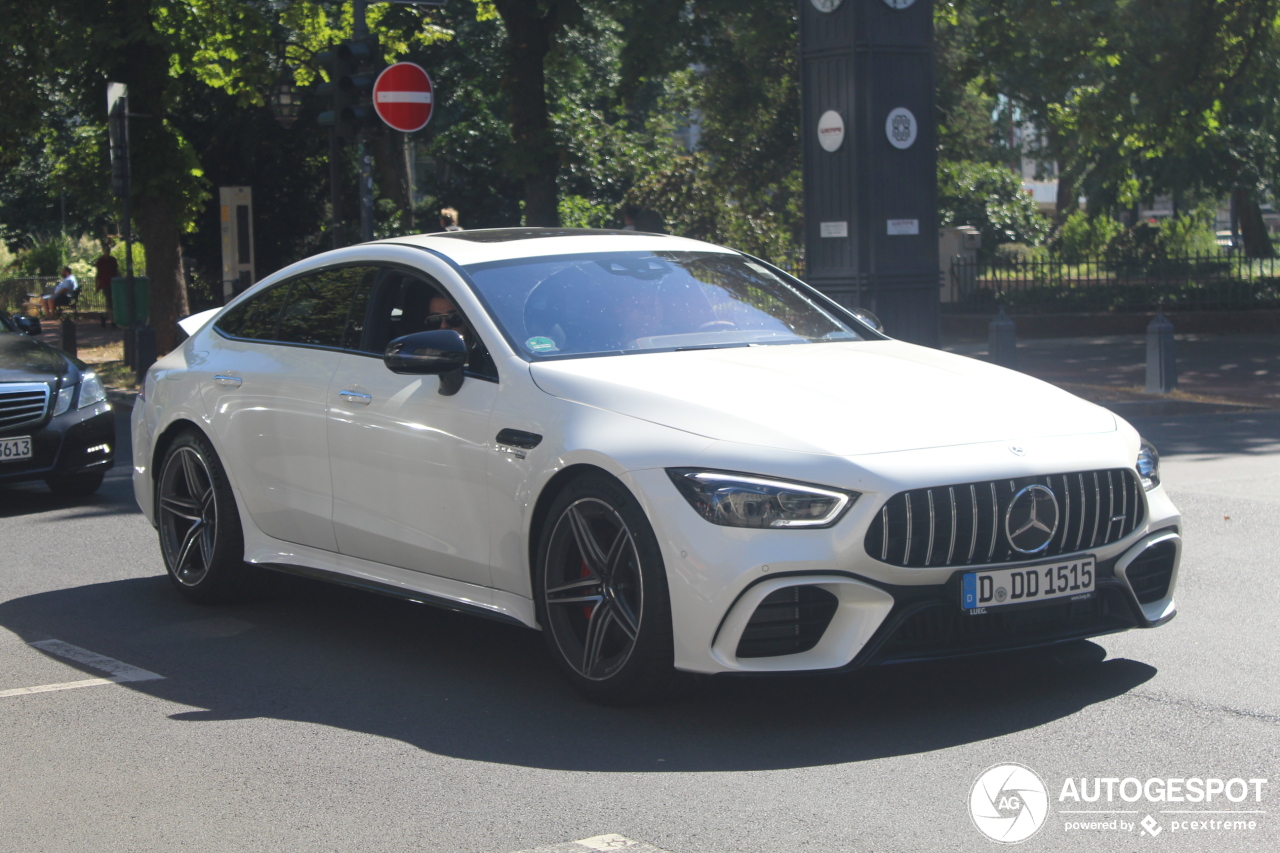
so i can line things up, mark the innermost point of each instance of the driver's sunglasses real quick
(452, 320)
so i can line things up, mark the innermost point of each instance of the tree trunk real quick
(534, 157)
(162, 237)
(1066, 202)
(391, 170)
(1253, 230)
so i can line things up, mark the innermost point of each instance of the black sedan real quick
(55, 422)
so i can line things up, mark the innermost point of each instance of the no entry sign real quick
(402, 95)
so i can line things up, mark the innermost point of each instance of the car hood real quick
(23, 359)
(843, 399)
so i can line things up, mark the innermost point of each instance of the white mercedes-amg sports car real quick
(664, 454)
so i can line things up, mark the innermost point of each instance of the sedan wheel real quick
(602, 593)
(200, 534)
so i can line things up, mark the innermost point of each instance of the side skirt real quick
(391, 590)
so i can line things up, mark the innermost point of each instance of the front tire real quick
(200, 534)
(601, 593)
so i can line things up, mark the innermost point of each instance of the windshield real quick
(621, 302)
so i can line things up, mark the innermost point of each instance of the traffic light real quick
(353, 68)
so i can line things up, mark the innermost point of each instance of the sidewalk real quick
(1214, 370)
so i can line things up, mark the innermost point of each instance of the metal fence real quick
(1191, 282)
(18, 295)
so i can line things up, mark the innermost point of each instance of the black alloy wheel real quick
(602, 593)
(200, 535)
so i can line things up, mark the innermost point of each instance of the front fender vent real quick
(963, 524)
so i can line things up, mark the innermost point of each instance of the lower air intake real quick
(789, 621)
(1150, 572)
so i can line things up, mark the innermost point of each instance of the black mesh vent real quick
(944, 629)
(963, 525)
(1149, 574)
(787, 622)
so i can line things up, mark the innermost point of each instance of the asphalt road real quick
(315, 718)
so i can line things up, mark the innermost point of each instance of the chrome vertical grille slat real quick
(928, 554)
(894, 535)
(973, 503)
(952, 549)
(995, 514)
(906, 556)
(884, 519)
(1066, 522)
(1097, 509)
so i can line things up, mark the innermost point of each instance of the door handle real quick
(229, 381)
(356, 397)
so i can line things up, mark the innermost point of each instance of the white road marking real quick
(611, 841)
(119, 671)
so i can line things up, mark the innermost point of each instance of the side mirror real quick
(442, 353)
(27, 325)
(867, 317)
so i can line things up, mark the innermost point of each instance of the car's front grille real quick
(788, 621)
(22, 403)
(1150, 572)
(964, 524)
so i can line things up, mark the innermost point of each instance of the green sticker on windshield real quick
(541, 344)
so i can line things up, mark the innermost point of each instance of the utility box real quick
(236, 212)
(958, 247)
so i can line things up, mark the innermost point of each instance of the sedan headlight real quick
(91, 391)
(1149, 466)
(741, 500)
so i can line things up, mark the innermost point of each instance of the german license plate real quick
(15, 448)
(981, 591)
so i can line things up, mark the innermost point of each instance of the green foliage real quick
(1189, 235)
(1083, 236)
(991, 199)
(579, 212)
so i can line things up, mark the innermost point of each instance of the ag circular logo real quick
(1008, 803)
(1031, 519)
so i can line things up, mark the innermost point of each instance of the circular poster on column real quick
(831, 131)
(901, 128)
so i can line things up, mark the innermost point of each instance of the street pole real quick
(335, 198)
(366, 186)
(360, 30)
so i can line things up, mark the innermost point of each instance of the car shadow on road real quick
(464, 687)
(114, 497)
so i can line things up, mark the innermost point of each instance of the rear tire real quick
(199, 525)
(75, 485)
(601, 594)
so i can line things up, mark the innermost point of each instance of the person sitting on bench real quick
(61, 293)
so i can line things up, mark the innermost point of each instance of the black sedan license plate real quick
(15, 448)
(980, 591)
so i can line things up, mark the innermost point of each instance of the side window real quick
(321, 307)
(256, 317)
(403, 303)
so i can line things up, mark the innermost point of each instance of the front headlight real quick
(63, 404)
(1149, 466)
(741, 500)
(91, 390)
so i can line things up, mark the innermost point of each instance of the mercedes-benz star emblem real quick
(1031, 519)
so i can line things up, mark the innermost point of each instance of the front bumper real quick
(878, 613)
(76, 442)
